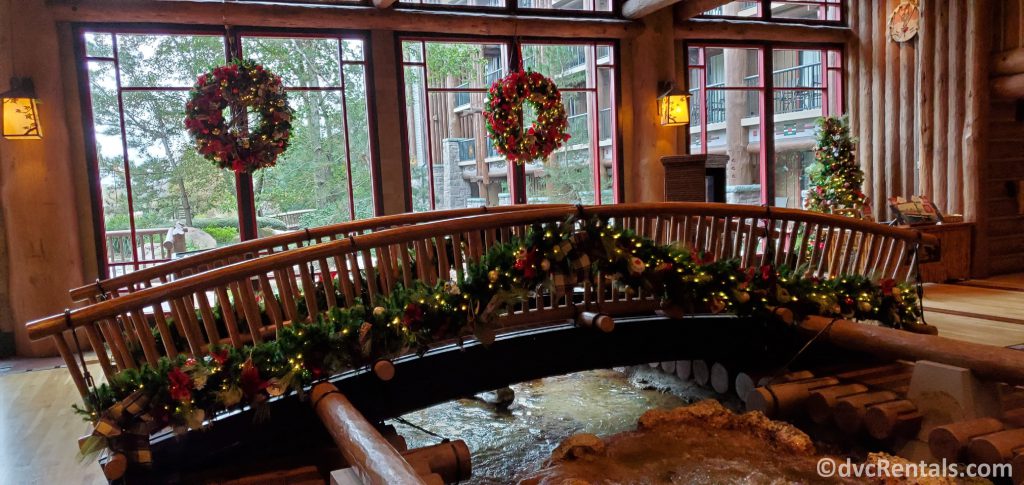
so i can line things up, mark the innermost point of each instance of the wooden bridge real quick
(250, 293)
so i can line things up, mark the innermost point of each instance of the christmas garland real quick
(239, 86)
(184, 392)
(503, 112)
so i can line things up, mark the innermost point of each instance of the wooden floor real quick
(38, 431)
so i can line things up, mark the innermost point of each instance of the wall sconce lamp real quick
(673, 105)
(21, 111)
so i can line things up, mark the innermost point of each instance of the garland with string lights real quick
(239, 87)
(503, 112)
(835, 177)
(184, 392)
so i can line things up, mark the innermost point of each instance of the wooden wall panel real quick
(923, 115)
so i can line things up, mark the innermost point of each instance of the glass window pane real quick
(806, 10)
(359, 140)
(167, 60)
(797, 68)
(586, 5)
(734, 130)
(299, 62)
(416, 129)
(464, 65)
(604, 55)
(352, 50)
(170, 182)
(732, 66)
(113, 187)
(736, 9)
(99, 44)
(607, 128)
(412, 51)
(696, 110)
(457, 3)
(567, 65)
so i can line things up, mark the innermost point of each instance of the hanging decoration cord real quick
(420, 428)
(78, 348)
(785, 368)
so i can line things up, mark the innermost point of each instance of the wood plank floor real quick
(39, 432)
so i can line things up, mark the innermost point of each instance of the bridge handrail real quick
(841, 246)
(221, 256)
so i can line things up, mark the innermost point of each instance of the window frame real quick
(512, 8)
(516, 178)
(766, 89)
(765, 9)
(244, 195)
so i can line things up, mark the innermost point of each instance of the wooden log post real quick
(781, 400)
(684, 369)
(848, 413)
(600, 321)
(1009, 62)
(384, 370)
(747, 381)
(114, 465)
(950, 441)
(1008, 87)
(996, 447)
(821, 401)
(450, 460)
(701, 373)
(893, 418)
(374, 460)
(720, 381)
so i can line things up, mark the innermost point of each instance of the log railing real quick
(222, 256)
(371, 265)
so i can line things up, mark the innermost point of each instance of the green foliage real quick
(222, 235)
(232, 222)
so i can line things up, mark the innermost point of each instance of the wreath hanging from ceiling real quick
(219, 116)
(503, 112)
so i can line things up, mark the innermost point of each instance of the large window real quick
(789, 11)
(149, 178)
(769, 144)
(452, 163)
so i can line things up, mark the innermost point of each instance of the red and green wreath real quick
(504, 114)
(240, 87)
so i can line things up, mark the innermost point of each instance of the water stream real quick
(513, 442)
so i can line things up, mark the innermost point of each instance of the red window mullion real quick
(124, 152)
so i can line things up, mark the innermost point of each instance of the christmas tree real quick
(836, 177)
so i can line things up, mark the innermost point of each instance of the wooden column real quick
(392, 188)
(891, 160)
(954, 128)
(866, 95)
(941, 104)
(852, 66)
(925, 76)
(976, 119)
(878, 106)
(908, 137)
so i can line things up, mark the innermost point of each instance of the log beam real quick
(334, 17)
(1009, 87)
(364, 448)
(760, 31)
(635, 9)
(693, 8)
(986, 361)
(384, 4)
(1009, 62)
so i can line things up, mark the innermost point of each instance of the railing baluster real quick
(209, 322)
(252, 310)
(228, 313)
(308, 290)
(269, 301)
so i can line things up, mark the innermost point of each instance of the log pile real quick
(869, 400)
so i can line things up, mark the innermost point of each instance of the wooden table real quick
(955, 240)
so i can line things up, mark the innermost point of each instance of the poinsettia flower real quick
(180, 387)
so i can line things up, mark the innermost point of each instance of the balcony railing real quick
(149, 245)
(787, 101)
(604, 122)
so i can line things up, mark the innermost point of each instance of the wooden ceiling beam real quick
(761, 31)
(692, 8)
(334, 17)
(384, 4)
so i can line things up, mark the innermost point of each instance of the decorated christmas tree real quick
(836, 177)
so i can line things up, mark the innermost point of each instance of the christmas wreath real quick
(504, 114)
(241, 86)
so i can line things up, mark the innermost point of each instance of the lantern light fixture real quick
(20, 112)
(673, 106)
